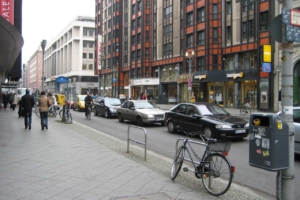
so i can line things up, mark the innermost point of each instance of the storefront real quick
(147, 85)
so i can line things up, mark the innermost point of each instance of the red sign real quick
(7, 10)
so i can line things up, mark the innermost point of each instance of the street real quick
(160, 141)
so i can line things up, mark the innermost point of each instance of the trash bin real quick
(61, 99)
(268, 142)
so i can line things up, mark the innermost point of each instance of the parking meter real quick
(268, 142)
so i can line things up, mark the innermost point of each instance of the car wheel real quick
(121, 119)
(95, 112)
(139, 121)
(207, 132)
(171, 127)
(106, 115)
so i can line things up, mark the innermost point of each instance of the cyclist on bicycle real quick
(88, 100)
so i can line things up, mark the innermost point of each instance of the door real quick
(101, 107)
(191, 122)
(178, 116)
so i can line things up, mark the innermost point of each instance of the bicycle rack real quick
(136, 141)
(191, 141)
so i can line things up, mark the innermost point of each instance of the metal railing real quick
(136, 141)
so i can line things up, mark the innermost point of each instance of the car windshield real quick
(212, 110)
(81, 98)
(112, 101)
(143, 105)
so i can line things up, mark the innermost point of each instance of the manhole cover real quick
(158, 196)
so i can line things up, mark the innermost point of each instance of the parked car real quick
(140, 111)
(106, 106)
(78, 102)
(296, 118)
(209, 119)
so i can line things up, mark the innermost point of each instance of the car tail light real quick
(233, 169)
(225, 153)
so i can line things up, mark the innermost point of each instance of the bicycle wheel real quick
(177, 163)
(89, 114)
(61, 113)
(37, 112)
(217, 175)
(243, 110)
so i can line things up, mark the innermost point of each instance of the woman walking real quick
(44, 108)
(15, 101)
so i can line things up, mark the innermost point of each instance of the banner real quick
(7, 10)
(99, 51)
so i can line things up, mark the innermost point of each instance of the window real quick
(228, 32)
(84, 44)
(109, 49)
(139, 54)
(147, 3)
(116, 19)
(245, 5)
(133, 40)
(91, 32)
(90, 66)
(263, 22)
(125, 60)
(84, 32)
(139, 6)
(109, 23)
(168, 49)
(154, 53)
(168, 12)
(133, 9)
(147, 19)
(139, 22)
(84, 56)
(229, 65)
(189, 19)
(139, 39)
(244, 30)
(188, 2)
(228, 7)
(91, 44)
(215, 35)
(215, 62)
(200, 14)
(133, 24)
(251, 6)
(215, 11)
(133, 56)
(84, 67)
(251, 28)
(147, 53)
(168, 30)
(189, 40)
(91, 56)
(201, 64)
(126, 45)
(201, 37)
(147, 36)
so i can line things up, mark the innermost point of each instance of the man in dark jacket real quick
(27, 103)
(88, 102)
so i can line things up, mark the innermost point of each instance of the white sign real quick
(144, 81)
(189, 88)
(295, 17)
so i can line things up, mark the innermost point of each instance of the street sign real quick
(289, 33)
(286, 16)
(189, 88)
(114, 80)
(295, 17)
(266, 67)
(62, 79)
(296, 34)
(189, 82)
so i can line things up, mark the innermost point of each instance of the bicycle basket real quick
(220, 146)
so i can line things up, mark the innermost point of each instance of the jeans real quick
(27, 118)
(44, 119)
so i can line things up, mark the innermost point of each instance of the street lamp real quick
(43, 45)
(189, 58)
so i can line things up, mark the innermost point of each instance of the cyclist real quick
(53, 100)
(88, 100)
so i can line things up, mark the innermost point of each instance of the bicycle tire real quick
(243, 110)
(217, 175)
(61, 113)
(177, 162)
(89, 114)
(38, 113)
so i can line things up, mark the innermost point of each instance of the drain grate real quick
(157, 196)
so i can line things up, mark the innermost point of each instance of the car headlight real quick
(112, 110)
(223, 126)
(150, 116)
(247, 125)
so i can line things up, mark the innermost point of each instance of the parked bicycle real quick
(246, 108)
(213, 167)
(68, 114)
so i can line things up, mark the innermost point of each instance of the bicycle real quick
(246, 108)
(213, 165)
(68, 114)
(52, 111)
(89, 112)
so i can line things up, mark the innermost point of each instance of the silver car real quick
(296, 118)
(140, 111)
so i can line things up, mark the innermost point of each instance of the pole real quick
(287, 178)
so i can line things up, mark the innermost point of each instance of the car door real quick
(191, 123)
(96, 105)
(178, 115)
(123, 109)
(101, 107)
(131, 111)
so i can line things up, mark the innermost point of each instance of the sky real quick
(45, 19)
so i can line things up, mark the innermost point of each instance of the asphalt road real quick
(159, 140)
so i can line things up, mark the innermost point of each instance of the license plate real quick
(240, 131)
(159, 119)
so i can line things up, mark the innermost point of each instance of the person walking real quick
(15, 101)
(27, 103)
(44, 103)
(5, 99)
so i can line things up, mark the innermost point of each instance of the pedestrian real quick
(27, 102)
(5, 100)
(15, 101)
(44, 103)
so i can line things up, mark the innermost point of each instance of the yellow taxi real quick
(78, 102)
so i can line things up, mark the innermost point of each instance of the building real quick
(212, 51)
(71, 56)
(33, 71)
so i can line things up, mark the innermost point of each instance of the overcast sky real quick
(45, 19)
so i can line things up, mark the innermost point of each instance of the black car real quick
(211, 120)
(106, 106)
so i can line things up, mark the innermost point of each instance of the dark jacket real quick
(27, 102)
(88, 100)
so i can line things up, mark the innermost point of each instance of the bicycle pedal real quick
(185, 169)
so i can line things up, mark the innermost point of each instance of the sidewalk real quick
(72, 161)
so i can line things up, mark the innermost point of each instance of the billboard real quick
(7, 10)
(99, 51)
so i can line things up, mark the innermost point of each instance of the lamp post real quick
(190, 58)
(43, 45)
